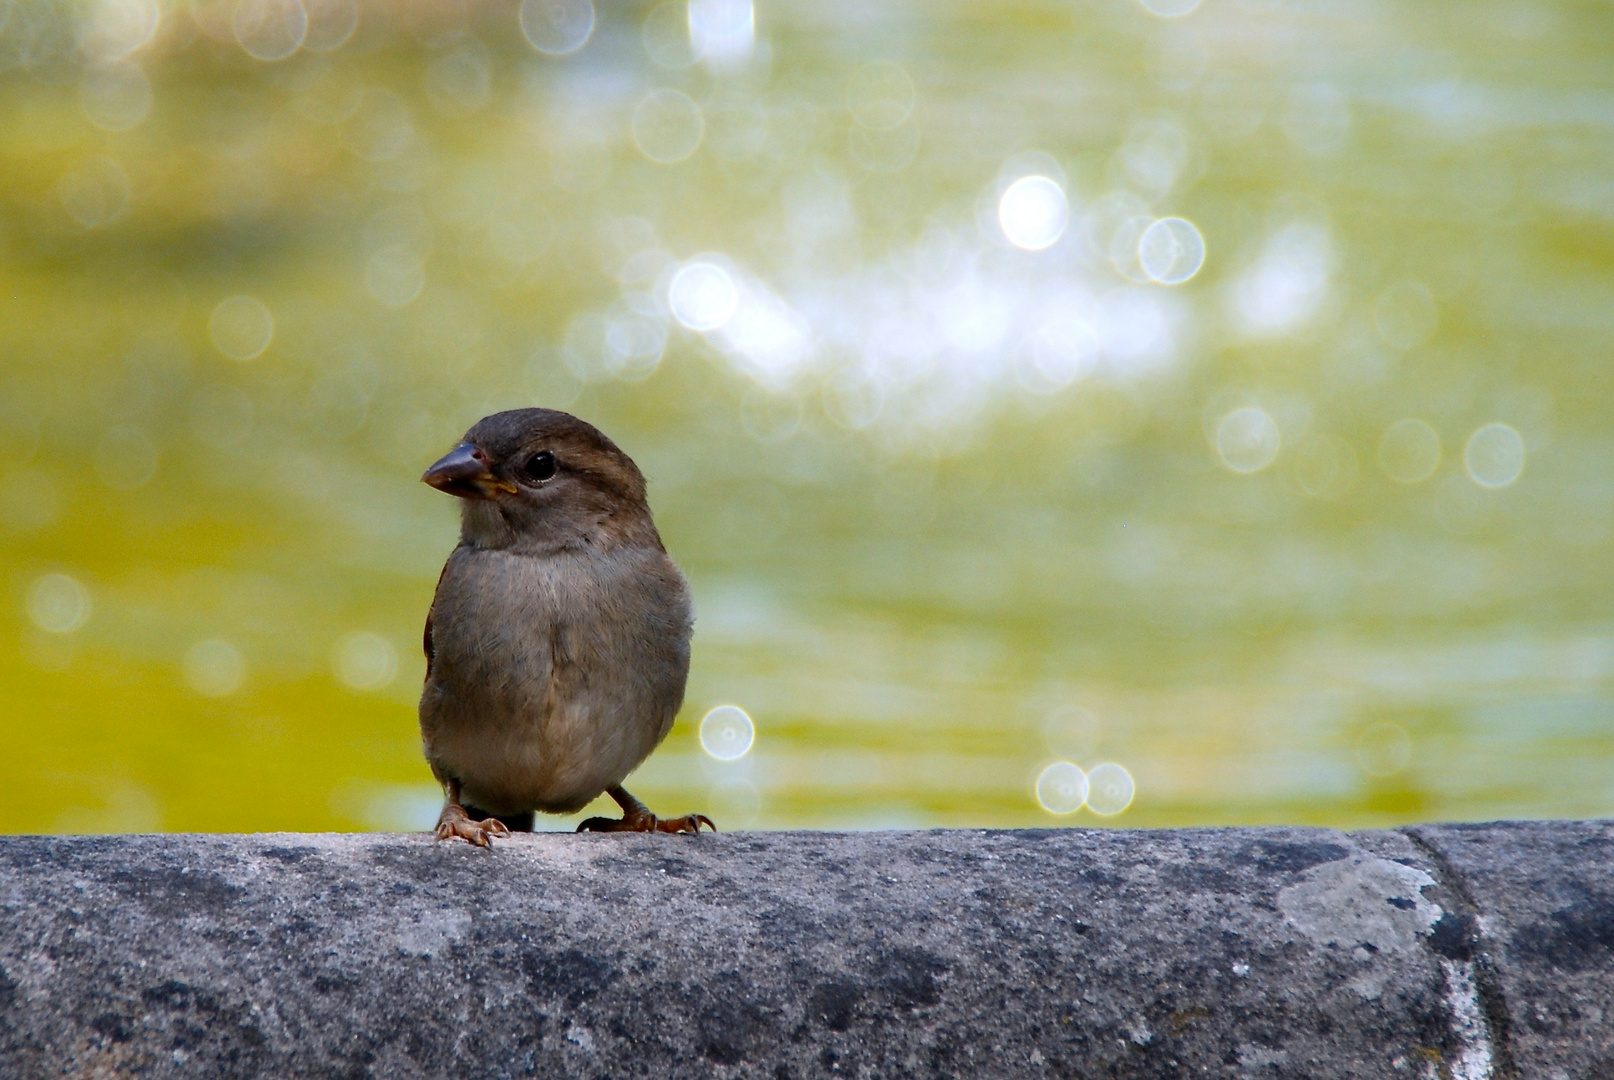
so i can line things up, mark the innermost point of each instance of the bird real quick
(557, 643)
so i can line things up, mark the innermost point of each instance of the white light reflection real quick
(1247, 439)
(270, 29)
(214, 668)
(667, 126)
(58, 604)
(395, 275)
(1494, 455)
(95, 193)
(666, 37)
(365, 661)
(330, 23)
(1061, 788)
(116, 97)
(557, 27)
(125, 459)
(116, 28)
(1110, 789)
(241, 327)
(1171, 251)
(1287, 284)
(880, 96)
(702, 296)
(1033, 212)
(723, 32)
(727, 733)
(1409, 451)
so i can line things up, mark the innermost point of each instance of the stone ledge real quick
(1461, 951)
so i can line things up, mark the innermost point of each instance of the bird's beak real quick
(463, 471)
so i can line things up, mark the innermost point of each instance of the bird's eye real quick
(540, 467)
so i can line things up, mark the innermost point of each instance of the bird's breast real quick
(552, 677)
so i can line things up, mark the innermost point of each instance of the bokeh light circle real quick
(1409, 451)
(395, 275)
(1494, 455)
(96, 192)
(241, 327)
(58, 604)
(330, 23)
(666, 36)
(365, 661)
(557, 27)
(1110, 789)
(667, 126)
(214, 668)
(1061, 788)
(270, 29)
(880, 96)
(116, 97)
(1247, 439)
(1171, 251)
(702, 296)
(112, 29)
(727, 733)
(1033, 212)
(125, 458)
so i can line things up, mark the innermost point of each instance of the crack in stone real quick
(1486, 980)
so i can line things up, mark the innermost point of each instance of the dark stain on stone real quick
(910, 977)
(832, 1003)
(570, 974)
(1401, 902)
(288, 855)
(1292, 856)
(171, 995)
(1200, 878)
(330, 982)
(1576, 937)
(729, 1026)
(174, 889)
(1454, 936)
(115, 1028)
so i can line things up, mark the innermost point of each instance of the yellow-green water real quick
(953, 509)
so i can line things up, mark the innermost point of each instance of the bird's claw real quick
(689, 823)
(648, 822)
(456, 822)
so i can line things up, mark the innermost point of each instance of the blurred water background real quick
(1155, 413)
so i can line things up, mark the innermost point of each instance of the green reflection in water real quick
(1221, 396)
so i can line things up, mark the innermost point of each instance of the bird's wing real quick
(426, 637)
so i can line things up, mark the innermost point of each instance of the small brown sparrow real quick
(557, 646)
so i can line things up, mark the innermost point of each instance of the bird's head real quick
(539, 477)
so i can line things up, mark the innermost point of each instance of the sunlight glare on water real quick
(726, 733)
(1033, 212)
(1061, 788)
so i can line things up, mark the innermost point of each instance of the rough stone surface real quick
(1456, 952)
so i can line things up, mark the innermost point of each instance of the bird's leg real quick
(454, 821)
(636, 817)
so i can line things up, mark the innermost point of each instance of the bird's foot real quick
(645, 821)
(456, 822)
